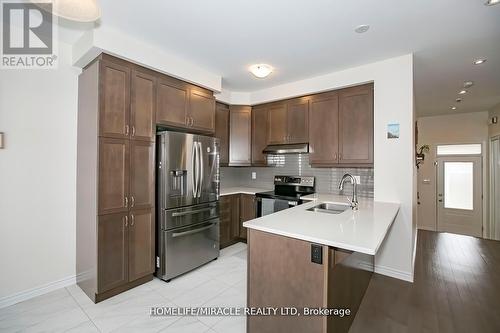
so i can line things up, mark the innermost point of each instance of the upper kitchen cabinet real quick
(240, 135)
(297, 120)
(143, 105)
(356, 125)
(288, 121)
(222, 132)
(341, 128)
(259, 135)
(324, 129)
(114, 95)
(185, 106)
(277, 124)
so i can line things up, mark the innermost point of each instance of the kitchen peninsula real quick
(306, 257)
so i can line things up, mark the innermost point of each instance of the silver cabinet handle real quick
(194, 211)
(133, 130)
(126, 221)
(340, 156)
(187, 121)
(126, 201)
(126, 130)
(190, 232)
(335, 156)
(133, 220)
(132, 203)
(192, 121)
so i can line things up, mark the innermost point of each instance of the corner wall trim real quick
(37, 291)
(394, 273)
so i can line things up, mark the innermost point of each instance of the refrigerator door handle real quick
(200, 156)
(193, 163)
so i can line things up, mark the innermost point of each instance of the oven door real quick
(266, 206)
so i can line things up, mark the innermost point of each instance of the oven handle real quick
(194, 231)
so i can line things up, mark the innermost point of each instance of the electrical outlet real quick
(358, 179)
(254, 175)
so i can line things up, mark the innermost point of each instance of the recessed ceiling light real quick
(453, 107)
(468, 84)
(363, 28)
(458, 100)
(492, 2)
(462, 92)
(261, 70)
(479, 61)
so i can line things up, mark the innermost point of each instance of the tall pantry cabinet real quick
(115, 177)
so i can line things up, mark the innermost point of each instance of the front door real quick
(459, 195)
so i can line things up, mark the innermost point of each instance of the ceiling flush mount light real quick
(468, 84)
(492, 2)
(462, 92)
(453, 107)
(479, 61)
(363, 28)
(261, 70)
(77, 10)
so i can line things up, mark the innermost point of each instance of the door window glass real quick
(458, 185)
(472, 149)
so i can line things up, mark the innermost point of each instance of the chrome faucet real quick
(354, 200)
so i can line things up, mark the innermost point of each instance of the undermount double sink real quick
(329, 208)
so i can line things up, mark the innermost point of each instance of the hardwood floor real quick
(456, 289)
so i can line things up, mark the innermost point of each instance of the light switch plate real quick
(254, 175)
(358, 179)
(1, 140)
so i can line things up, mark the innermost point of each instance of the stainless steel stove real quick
(287, 193)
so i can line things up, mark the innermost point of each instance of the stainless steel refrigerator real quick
(187, 202)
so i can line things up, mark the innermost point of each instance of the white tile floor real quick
(219, 283)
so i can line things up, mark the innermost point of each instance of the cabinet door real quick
(247, 212)
(222, 132)
(143, 109)
(142, 179)
(202, 110)
(113, 175)
(141, 242)
(356, 125)
(323, 130)
(240, 136)
(298, 117)
(225, 209)
(172, 103)
(235, 216)
(114, 100)
(277, 124)
(112, 251)
(259, 135)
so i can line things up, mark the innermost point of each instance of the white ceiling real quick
(303, 39)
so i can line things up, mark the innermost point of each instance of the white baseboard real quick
(395, 273)
(37, 291)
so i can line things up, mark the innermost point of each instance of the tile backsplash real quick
(327, 179)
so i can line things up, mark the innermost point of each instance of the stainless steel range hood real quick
(295, 148)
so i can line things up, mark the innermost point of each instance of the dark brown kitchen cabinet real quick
(113, 175)
(341, 128)
(222, 132)
(172, 103)
(297, 120)
(277, 124)
(229, 219)
(259, 135)
(323, 129)
(240, 135)
(141, 243)
(114, 88)
(247, 212)
(112, 251)
(356, 125)
(142, 178)
(143, 106)
(201, 110)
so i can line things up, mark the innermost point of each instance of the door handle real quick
(126, 130)
(126, 201)
(440, 200)
(193, 167)
(132, 220)
(335, 156)
(126, 221)
(132, 203)
(190, 232)
(194, 211)
(201, 176)
(133, 130)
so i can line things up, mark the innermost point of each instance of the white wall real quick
(38, 111)
(446, 129)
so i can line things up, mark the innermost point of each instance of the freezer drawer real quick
(184, 216)
(186, 248)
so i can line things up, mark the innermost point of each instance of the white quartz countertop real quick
(242, 190)
(360, 231)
